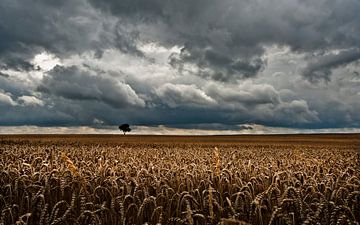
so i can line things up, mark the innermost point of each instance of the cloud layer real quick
(85, 62)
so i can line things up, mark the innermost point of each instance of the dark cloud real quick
(19, 62)
(17, 115)
(74, 83)
(14, 86)
(209, 44)
(63, 28)
(247, 94)
(4, 75)
(297, 112)
(225, 39)
(181, 95)
(322, 65)
(182, 63)
(139, 9)
(216, 66)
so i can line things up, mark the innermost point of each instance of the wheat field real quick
(125, 180)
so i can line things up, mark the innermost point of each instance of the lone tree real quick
(125, 128)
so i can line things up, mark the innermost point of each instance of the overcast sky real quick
(199, 64)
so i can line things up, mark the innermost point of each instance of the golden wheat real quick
(144, 183)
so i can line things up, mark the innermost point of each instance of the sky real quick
(197, 65)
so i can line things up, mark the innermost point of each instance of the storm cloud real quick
(183, 63)
(72, 83)
(322, 66)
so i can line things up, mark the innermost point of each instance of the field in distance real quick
(117, 179)
(296, 139)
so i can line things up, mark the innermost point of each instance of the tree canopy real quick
(125, 128)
